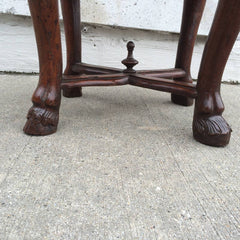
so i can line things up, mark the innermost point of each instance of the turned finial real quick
(130, 61)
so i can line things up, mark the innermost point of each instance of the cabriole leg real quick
(192, 14)
(209, 127)
(72, 26)
(44, 114)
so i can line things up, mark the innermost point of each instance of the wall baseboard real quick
(102, 45)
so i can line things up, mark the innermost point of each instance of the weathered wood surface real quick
(155, 50)
(158, 15)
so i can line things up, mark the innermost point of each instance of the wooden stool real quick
(209, 127)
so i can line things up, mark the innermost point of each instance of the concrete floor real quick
(123, 165)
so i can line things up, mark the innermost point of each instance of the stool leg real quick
(72, 26)
(192, 14)
(44, 114)
(209, 127)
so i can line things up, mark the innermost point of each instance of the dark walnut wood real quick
(43, 116)
(72, 26)
(192, 14)
(130, 61)
(209, 127)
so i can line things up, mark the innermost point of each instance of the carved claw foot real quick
(209, 127)
(41, 121)
(212, 130)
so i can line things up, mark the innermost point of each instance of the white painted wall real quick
(103, 46)
(163, 15)
(18, 47)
